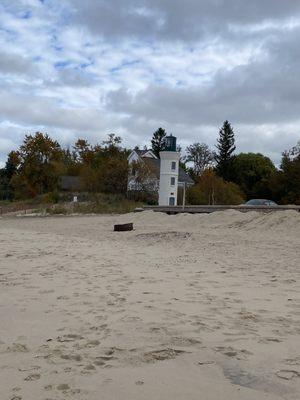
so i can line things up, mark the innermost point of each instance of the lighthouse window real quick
(173, 166)
(172, 181)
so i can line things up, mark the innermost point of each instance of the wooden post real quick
(183, 198)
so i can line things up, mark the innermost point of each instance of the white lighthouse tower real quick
(169, 167)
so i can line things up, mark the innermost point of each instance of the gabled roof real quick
(140, 152)
(145, 153)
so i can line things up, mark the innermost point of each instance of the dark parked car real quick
(260, 202)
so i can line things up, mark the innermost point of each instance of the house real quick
(144, 173)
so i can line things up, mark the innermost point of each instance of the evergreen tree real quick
(226, 147)
(6, 174)
(158, 141)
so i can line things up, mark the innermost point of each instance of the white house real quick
(151, 180)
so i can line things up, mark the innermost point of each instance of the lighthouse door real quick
(171, 201)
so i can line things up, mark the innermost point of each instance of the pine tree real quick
(6, 174)
(225, 147)
(11, 164)
(158, 141)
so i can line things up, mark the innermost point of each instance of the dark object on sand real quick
(123, 227)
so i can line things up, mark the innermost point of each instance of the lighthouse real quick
(169, 167)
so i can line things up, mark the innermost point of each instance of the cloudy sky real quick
(85, 68)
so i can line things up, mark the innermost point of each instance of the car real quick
(260, 202)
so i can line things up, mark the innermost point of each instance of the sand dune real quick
(183, 307)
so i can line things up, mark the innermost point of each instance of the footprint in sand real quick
(99, 363)
(161, 355)
(206, 362)
(33, 368)
(231, 352)
(88, 369)
(18, 348)
(69, 338)
(287, 374)
(32, 377)
(63, 387)
(92, 343)
(270, 340)
(72, 357)
(293, 361)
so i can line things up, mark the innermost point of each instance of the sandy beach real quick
(184, 307)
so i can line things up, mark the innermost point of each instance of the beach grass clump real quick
(100, 203)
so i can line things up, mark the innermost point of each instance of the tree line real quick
(37, 166)
(220, 175)
(223, 177)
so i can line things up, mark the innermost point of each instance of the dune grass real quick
(99, 204)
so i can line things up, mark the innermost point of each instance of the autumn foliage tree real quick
(114, 172)
(144, 176)
(83, 152)
(103, 168)
(38, 168)
(211, 189)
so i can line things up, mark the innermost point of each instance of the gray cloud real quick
(174, 19)
(263, 93)
(47, 112)
(132, 66)
(11, 63)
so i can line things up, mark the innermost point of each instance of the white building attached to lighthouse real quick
(157, 179)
